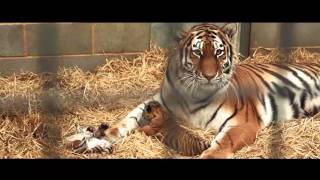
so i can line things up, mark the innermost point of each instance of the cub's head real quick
(206, 56)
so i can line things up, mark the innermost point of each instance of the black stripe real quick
(297, 76)
(228, 70)
(302, 70)
(283, 79)
(261, 99)
(188, 38)
(135, 118)
(295, 109)
(254, 67)
(181, 54)
(215, 113)
(231, 53)
(284, 92)
(317, 86)
(185, 55)
(316, 74)
(313, 66)
(198, 33)
(205, 101)
(261, 78)
(225, 122)
(204, 104)
(255, 110)
(212, 33)
(273, 107)
(308, 68)
(199, 37)
(303, 99)
(170, 141)
(217, 142)
(188, 41)
(185, 46)
(307, 74)
(198, 108)
(189, 44)
(259, 96)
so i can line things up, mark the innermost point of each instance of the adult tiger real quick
(203, 86)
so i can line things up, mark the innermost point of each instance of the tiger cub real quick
(156, 120)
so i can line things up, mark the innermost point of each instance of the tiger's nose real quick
(209, 76)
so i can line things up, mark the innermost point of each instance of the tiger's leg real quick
(228, 142)
(239, 132)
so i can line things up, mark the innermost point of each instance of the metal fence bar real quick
(49, 97)
(286, 34)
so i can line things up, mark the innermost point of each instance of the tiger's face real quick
(206, 56)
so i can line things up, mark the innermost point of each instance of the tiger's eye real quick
(148, 108)
(197, 52)
(189, 64)
(219, 52)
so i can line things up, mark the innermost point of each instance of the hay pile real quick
(39, 111)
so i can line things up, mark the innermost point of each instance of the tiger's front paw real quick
(217, 154)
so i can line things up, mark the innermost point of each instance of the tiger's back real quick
(280, 91)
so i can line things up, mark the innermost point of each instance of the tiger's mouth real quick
(207, 89)
(193, 82)
(216, 83)
(208, 86)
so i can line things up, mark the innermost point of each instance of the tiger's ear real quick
(180, 35)
(230, 30)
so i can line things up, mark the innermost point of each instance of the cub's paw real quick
(75, 141)
(90, 139)
(89, 144)
(96, 145)
(100, 132)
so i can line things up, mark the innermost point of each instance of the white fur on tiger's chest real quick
(210, 119)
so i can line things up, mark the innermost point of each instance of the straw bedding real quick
(39, 110)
